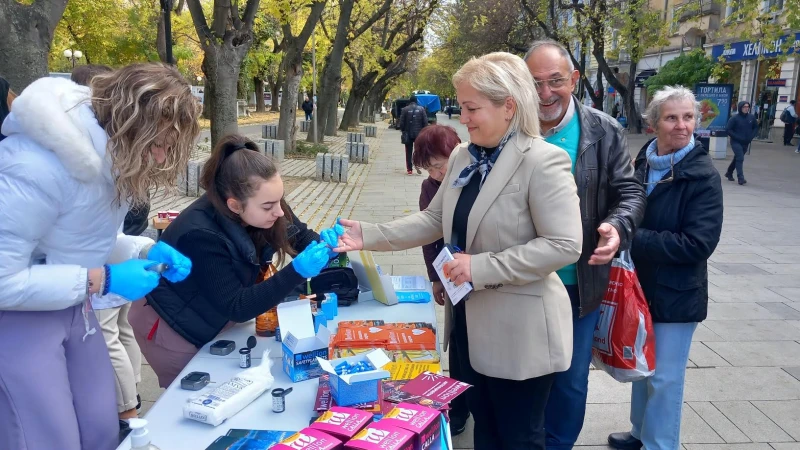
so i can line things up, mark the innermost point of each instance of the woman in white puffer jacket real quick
(71, 165)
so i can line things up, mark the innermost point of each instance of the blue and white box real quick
(302, 348)
(359, 387)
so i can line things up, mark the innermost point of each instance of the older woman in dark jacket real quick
(680, 230)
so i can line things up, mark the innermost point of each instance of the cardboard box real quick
(342, 423)
(381, 436)
(309, 439)
(302, 348)
(424, 422)
(357, 387)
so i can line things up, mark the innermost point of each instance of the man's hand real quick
(607, 246)
(438, 293)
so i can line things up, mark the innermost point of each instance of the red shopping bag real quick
(624, 342)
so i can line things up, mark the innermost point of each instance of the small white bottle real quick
(140, 437)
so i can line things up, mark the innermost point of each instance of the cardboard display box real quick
(302, 348)
(357, 387)
(424, 422)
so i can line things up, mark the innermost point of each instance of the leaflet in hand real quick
(456, 293)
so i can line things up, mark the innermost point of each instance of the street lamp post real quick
(73, 56)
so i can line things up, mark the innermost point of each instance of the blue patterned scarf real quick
(481, 162)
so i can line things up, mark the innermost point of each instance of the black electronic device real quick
(195, 381)
(222, 347)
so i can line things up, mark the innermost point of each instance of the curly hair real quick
(141, 106)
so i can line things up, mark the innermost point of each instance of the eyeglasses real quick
(553, 83)
(663, 180)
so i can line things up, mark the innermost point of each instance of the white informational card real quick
(409, 283)
(456, 293)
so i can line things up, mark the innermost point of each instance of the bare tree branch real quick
(387, 4)
(199, 21)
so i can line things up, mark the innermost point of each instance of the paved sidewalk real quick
(743, 380)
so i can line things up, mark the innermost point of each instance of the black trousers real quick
(508, 414)
(409, 152)
(459, 408)
(788, 130)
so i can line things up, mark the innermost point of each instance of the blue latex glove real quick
(331, 237)
(179, 265)
(312, 260)
(132, 280)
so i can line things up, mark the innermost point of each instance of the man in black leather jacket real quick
(612, 205)
(413, 118)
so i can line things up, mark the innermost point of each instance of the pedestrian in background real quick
(431, 152)
(308, 108)
(413, 118)
(73, 161)
(612, 204)
(789, 119)
(680, 230)
(742, 129)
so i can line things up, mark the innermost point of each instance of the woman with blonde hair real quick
(509, 201)
(73, 163)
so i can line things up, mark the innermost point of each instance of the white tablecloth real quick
(170, 431)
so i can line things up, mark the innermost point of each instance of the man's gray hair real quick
(550, 43)
(669, 93)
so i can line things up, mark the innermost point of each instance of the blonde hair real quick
(501, 75)
(140, 106)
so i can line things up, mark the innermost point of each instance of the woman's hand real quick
(178, 265)
(310, 262)
(459, 271)
(438, 293)
(353, 238)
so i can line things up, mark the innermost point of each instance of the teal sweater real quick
(568, 139)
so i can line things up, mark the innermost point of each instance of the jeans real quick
(657, 401)
(308, 117)
(566, 406)
(738, 160)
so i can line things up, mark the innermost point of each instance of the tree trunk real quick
(275, 89)
(355, 101)
(259, 84)
(208, 99)
(293, 65)
(27, 37)
(224, 81)
(332, 74)
(287, 124)
(631, 111)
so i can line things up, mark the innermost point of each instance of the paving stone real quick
(750, 446)
(148, 388)
(703, 334)
(786, 414)
(758, 354)
(753, 330)
(703, 356)
(737, 268)
(721, 424)
(737, 258)
(785, 445)
(752, 422)
(785, 311)
(740, 383)
(793, 371)
(739, 311)
(791, 293)
(738, 294)
(780, 269)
